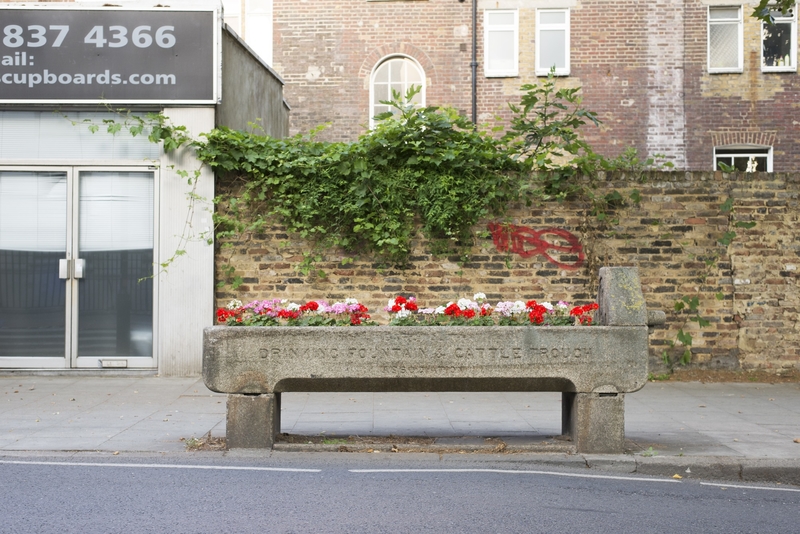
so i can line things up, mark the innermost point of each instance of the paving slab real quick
(744, 431)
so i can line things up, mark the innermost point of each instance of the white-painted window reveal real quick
(395, 74)
(744, 158)
(501, 43)
(725, 39)
(779, 43)
(552, 41)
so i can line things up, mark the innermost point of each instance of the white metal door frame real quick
(72, 359)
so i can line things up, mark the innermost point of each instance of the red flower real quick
(223, 314)
(453, 310)
(469, 314)
(400, 301)
(311, 305)
(530, 304)
(411, 305)
(396, 308)
(288, 314)
(537, 313)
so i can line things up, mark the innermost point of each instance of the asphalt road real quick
(368, 493)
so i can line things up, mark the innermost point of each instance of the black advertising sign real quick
(107, 55)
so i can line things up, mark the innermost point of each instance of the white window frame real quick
(542, 71)
(744, 151)
(780, 19)
(739, 22)
(488, 29)
(375, 69)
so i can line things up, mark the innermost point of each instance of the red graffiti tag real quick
(528, 242)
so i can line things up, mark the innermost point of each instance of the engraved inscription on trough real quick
(540, 354)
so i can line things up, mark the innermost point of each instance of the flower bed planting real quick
(404, 311)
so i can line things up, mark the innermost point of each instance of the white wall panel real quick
(186, 289)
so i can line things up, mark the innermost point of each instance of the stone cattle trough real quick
(594, 367)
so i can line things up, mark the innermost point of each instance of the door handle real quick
(63, 269)
(78, 268)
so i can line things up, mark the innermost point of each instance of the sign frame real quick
(216, 54)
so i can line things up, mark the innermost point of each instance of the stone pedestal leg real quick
(595, 421)
(252, 421)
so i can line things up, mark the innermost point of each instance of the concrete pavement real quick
(728, 431)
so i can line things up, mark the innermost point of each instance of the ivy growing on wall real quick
(419, 166)
(420, 170)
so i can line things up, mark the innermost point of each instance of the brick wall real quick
(669, 236)
(642, 66)
(325, 51)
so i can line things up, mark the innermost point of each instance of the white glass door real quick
(76, 266)
(34, 224)
(113, 268)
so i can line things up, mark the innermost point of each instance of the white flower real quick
(390, 305)
(403, 313)
(293, 306)
(518, 307)
(440, 310)
(350, 301)
(235, 303)
(479, 297)
(547, 305)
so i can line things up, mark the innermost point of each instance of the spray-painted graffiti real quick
(528, 242)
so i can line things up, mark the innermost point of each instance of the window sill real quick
(726, 71)
(546, 73)
(767, 70)
(501, 74)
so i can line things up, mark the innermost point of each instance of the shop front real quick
(90, 215)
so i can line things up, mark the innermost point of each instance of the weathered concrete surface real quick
(257, 360)
(596, 421)
(620, 297)
(593, 366)
(252, 421)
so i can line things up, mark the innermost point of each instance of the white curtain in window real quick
(116, 211)
(33, 211)
(552, 41)
(724, 29)
(500, 43)
(44, 135)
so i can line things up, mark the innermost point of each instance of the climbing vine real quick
(419, 166)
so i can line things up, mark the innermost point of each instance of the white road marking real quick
(747, 487)
(513, 472)
(167, 466)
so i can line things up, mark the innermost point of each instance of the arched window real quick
(396, 73)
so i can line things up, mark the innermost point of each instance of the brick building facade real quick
(645, 68)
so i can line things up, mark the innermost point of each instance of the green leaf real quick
(725, 167)
(684, 337)
(727, 238)
(748, 225)
(726, 206)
